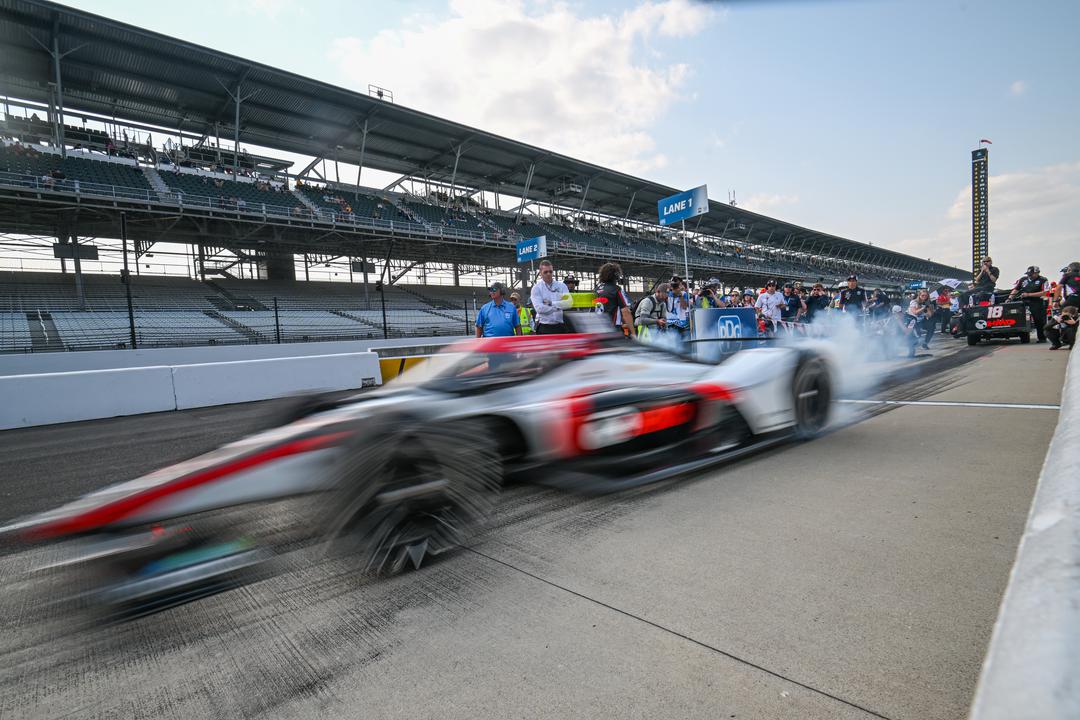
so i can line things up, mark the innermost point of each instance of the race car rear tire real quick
(1025, 338)
(406, 491)
(812, 397)
(973, 340)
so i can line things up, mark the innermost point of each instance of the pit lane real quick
(854, 576)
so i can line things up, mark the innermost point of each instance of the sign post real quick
(681, 206)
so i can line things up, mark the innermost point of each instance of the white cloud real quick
(765, 203)
(1019, 87)
(589, 86)
(1034, 220)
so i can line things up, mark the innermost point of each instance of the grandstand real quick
(142, 135)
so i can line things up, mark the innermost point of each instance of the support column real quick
(525, 192)
(79, 289)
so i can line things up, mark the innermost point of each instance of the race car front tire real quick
(973, 340)
(1025, 338)
(812, 397)
(408, 490)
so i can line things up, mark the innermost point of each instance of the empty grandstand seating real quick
(93, 330)
(94, 174)
(14, 332)
(211, 190)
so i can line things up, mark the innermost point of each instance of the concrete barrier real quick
(52, 362)
(48, 398)
(1032, 669)
(224, 383)
(44, 399)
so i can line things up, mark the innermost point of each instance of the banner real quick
(684, 205)
(532, 249)
(720, 323)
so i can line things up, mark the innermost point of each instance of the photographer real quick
(652, 311)
(1061, 329)
(923, 310)
(986, 280)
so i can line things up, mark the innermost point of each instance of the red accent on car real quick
(664, 417)
(125, 506)
(712, 391)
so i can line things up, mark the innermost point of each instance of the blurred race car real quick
(410, 470)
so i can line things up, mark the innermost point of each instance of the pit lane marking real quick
(955, 403)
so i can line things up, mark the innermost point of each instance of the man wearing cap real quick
(524, 316)
(549, 298)
(793, 305)
(986, 279)
(817, 303)
(1031, 290)
(770, 304)
(498, 317)
(853, 298)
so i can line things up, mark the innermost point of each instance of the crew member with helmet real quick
(853, 298)
(1068, 289)
(1031, 290)
(611, 300)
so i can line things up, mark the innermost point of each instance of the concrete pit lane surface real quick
(854, 576)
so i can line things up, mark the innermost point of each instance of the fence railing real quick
(272, 321)
(351, 220)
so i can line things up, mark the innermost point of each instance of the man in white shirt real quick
(549, 298)
(770, 304)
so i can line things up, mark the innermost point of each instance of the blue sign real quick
(532, 249)
(684, 205)
(719, 324)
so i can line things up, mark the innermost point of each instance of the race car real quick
(409, 470)
(1001, 320)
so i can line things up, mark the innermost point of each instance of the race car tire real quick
(408, 491)
(973, 340)
(811, 388)
(1025, 338)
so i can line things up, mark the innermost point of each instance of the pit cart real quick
(1003, 320)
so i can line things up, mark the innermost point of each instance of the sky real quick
(852, 117)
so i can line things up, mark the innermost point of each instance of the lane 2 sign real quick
(684, 205)
(532, 249)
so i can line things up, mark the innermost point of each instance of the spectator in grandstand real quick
(549, 299)
(1061, 328)
(924, 310)
(651, 312)
(498, 317)
(817, 303)
(770, 305)
(793, 307)
(611, 300)
(525, 319)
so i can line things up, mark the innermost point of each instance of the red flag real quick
(984, 140)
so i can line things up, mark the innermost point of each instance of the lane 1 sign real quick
(532, 249)
(684, 205)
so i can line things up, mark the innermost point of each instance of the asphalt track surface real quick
(854, 576)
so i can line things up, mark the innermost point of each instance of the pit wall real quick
(56, 397)
(1032, 669)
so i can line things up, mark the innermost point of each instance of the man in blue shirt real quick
(497, 318)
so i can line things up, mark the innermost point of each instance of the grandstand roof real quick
(117, 69)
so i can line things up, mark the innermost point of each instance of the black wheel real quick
(406, 492)
(973, 339)
(812, 389)
(1025, 338)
